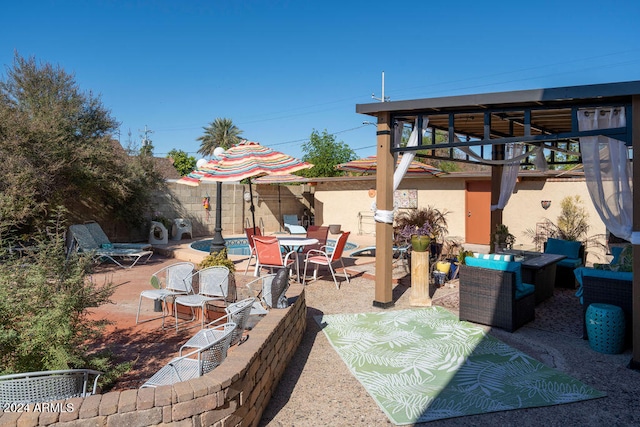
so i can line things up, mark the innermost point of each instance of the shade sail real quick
(369, 165)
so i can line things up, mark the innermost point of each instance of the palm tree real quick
(220, 133)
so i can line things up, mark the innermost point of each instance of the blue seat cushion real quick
(570, 262)
(568, 248)
(527, 289)
(492, 264)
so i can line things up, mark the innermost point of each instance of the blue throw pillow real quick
(568, 248)
(496, 257)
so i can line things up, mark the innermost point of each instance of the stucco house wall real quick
(348, 201)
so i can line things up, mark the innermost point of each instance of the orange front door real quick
(478, 212)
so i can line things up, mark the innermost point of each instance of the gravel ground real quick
(318, 390)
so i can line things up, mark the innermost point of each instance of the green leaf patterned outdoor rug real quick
(423, 364)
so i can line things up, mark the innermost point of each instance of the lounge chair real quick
(292, 224)
(81, 240)
(101, 239)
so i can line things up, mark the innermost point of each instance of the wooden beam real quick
(384, 201)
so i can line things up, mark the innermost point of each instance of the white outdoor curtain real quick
(607, 169)
(401, 170)
(509, 174)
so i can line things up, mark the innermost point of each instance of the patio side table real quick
(605, 328)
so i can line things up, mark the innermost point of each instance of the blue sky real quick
(280, 69)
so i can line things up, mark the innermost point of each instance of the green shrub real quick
(44, 301)
(219, 258)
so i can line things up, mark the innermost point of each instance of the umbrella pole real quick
(252, 208)
(218, 243)
(279, 209)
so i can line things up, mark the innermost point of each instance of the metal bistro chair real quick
(46, 386)
(196, 363)
(213, 285)
(237, 313)
(170, 281)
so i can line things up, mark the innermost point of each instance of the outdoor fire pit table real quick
(538, 269)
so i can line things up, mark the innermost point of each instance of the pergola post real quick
(635, 292)
(384, 201)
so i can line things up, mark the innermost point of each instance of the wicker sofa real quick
(606, 287)
(488, 297)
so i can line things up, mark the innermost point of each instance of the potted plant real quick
(413, 220)
(420, 236)
(502, 238)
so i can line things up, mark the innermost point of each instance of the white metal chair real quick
(170, 281)
(213, 285)
(237, 312)
(196, 363)
(258, 307)
(318, 258)
(269, 254)
(46, 386)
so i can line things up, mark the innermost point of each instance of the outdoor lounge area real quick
(553, 337)
(282, 363)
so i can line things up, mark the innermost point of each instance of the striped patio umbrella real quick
(249, 159)
(369, 165)
(245, 160)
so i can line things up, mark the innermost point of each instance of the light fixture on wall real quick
(545, 204)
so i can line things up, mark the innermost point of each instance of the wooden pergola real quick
(485, 123)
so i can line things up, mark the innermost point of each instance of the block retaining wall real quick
(234, 394)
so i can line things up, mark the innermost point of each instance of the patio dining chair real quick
(324, 258)
(213, 285)
(249, 232)
(316, 232)
(269, 254)
(196, 363)
(168, 282)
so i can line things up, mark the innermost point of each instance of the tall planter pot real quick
(420, 295)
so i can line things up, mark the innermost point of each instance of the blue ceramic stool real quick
(605, 328)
